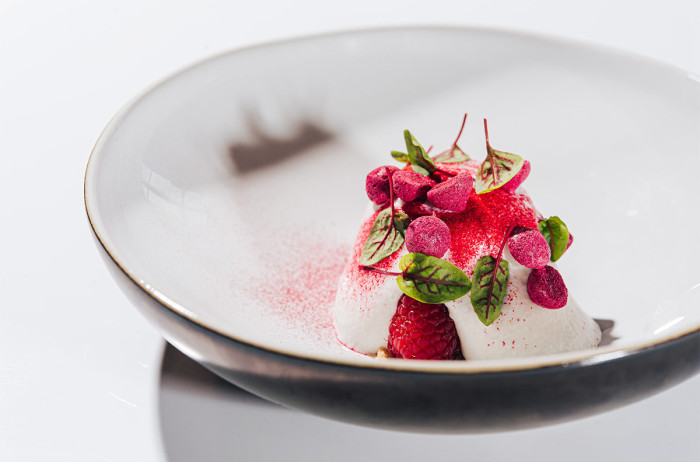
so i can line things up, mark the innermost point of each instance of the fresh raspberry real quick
(530, 248)
(410, 185)
(377, 183)
(546, 288)
(422, 331)
(452, 194)
(429, 236)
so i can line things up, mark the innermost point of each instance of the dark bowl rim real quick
(579, 358)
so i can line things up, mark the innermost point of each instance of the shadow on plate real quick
(266, 150)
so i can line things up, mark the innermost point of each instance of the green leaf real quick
(490, 287)
(400, 156)
(452, 156)
(430, 279)
(385, 237)
(557, 235)
(497, 169)
(419, 159)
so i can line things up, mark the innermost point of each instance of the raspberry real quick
(546, 288)
(410, 185)
(530, 248)
(428, 235)
(422, 331)
(518, 179)
(377, 183)
(452, 194)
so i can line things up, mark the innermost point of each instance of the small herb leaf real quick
(557, 235)
(497, 169)
(430, 279)
(452, 156)
(385, 237)
(419, 159)
(400, 156)
(490, 287)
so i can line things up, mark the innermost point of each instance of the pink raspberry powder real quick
(518, 179)
(530, 248)
(428, 235)
(410, 185)
(546, 288)
(377, 183)
(453, 194)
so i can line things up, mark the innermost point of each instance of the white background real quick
(84, 378)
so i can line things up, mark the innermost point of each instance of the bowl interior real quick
(233, 191)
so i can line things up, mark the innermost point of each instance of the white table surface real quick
(83, 377)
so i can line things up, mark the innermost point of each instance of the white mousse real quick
(366, 302)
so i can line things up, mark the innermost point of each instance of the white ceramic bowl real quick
(227, 197)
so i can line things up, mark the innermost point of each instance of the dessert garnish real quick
(377, 184)
(436, 222)
(490, 284)
(529, 248)
(453, 193)
(385, 237)
(454, 154)
(424, 275)
(417, 156)
(428, 279)
(557, 235)
(410, 186)
(428, 235)
(497, 169)
(518, 179)
(545, 287)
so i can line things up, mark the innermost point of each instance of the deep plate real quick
(226, 199)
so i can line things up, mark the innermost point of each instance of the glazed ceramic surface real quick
(227, 198)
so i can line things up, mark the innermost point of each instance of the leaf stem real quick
(412, 276)
(497, 265)
(486, 131)
(489, 155)
(459, 135)
(391, 198)
(391, 218)
(380, 271)
(505, 239)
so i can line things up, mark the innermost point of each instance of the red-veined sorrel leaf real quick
(497, 169)
(430, 279)
(491, 283)
(556, 233)
(490, 287)
(385, 237)
(454, 154)
(400, 156)
(419, 159)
